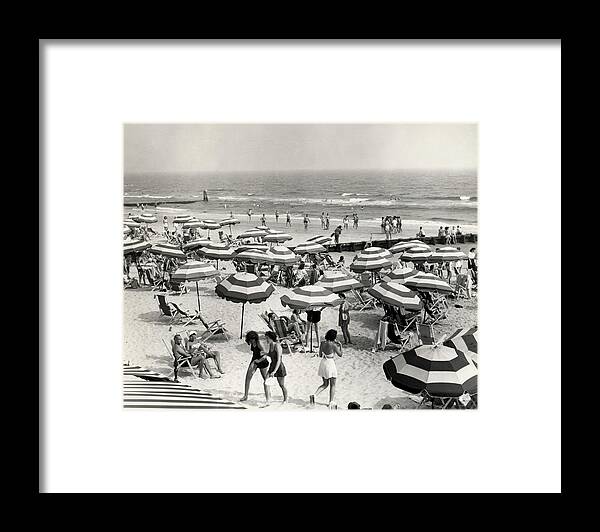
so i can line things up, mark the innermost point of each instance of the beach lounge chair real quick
(285, 338)
(365, 301)
(461, 286)
(426, 334)
(212, 328)
(182, 362)
(172, 311)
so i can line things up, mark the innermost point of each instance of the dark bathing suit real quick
(256, 354)
(281, 372)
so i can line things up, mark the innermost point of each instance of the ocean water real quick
(433, 198)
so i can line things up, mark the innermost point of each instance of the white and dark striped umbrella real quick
(436, 369)
(401, 247)
(181, 219)
(126, 229)
(141, 392)
(211, 224)
(278, 236)
(396, 295)
(245, 247)
(466, 341)
(142, 373)
(252, 255)
(194, 224)
(281, 255)
(310, 296)
(447, 254)
(427, 282)
(132, 223)
(320, 239)
(262, 228)
(372, 259)
(337, 282)
(194, 270)
(135, 246)
(309, 248)
(400, 275)
(416, 254)
(147, 218)
(195, 244)
(242, 287)
(229, 221)
(217, 251)
(168, 250)
(252, 233)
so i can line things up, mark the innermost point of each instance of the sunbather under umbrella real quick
(244, 288)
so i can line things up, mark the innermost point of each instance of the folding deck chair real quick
(438, 310)
(461, 286)
(286, 339)
(172, 311)
(182, 362)
(365, 300)
(426, 333)
(212, 328)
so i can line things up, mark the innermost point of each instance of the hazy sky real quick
(280, 147)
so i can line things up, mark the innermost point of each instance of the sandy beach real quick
(360, 374)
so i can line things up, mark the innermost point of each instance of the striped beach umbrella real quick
(427, 282)
(195, 244)
(466, 341)
(245, 247)
(338, 282)
(416, 254)
(132, 223)
(167, 250)
(139, 391)
(252, 255)
(309, 248)
(396, 295)
(319, 239)
(181, 219)
(135, 246)
(126, 229)
(230, 222)
(147, 218)
(372, 259)
(211, 224)
(310, 296)
(436, 369)
(401, 247)
(194, 224)
(253, 233)
(447, 254)
(281, 255)
(244, 288)
(278, 236)
(217, 251)
(399, 275)
(194, 270)
(262, 228)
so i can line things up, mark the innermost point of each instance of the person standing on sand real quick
(306, 221)
(276, 369)
(322, 220)
(336, 234)
(345, 221)
(420, 234)
(263, 219)
(344, 318)
(165, 226)
(328, 349)
(276, 216)
(327, 221)
(249, 215)
(288, 219)
(260, 360)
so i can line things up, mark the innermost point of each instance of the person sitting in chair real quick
(301, 276)
(179, 352)
(196, 346)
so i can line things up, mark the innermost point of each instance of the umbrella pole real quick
(242, 325)
(198, 296)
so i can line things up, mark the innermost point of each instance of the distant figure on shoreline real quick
(263, 219)
(306, 221)
(336, 234)
(355, 224)
(345, 220)
(420, 234)
(276, 216)
(288, 219)
(205, 195)
(249, 215)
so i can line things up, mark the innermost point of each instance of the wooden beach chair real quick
(461, 286)
(285, 338)
(212, 328)
(426, 333)
(182, 362)
(365, 300)
(173, 311)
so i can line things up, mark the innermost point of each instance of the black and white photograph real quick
(300, 266)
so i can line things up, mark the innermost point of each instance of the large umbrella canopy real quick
(371, 259)
(181, 219)
(401, 247)
(229, 221)
(195, 244)
(309, 247)
(245, 247)
(281, 255)
(416, 254)
(262, 228)
(319, 239)
(210, 224)
(135, 246)
(194, 224)
(310, 296)
(396, 295)
(168, 250)
(193, 270)
(278, 236)
(436, 369)
(427, 282)
(147, 218)
(217, 251)
(244, 288)
(466, 341)
(400, 275)
(447, 254)
(132, 223)
(126, 229)
(252, 233)
(338, 282)
(252, 255)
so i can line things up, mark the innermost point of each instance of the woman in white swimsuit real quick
(328, 349)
